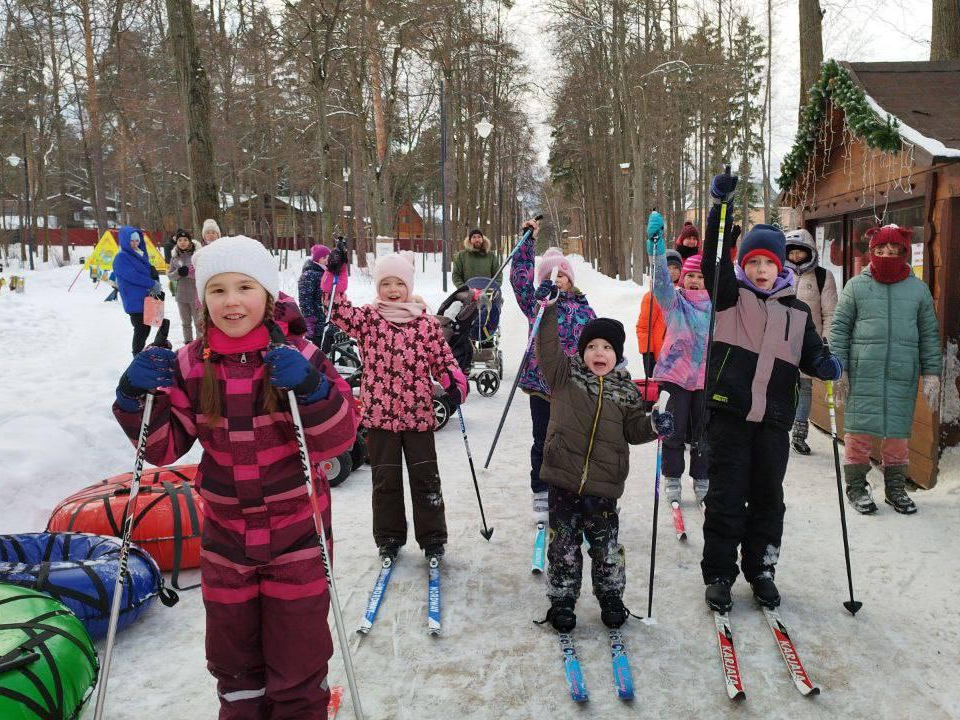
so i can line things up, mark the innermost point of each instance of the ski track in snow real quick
(61, 356)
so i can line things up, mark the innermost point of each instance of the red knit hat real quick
(688, 230)
(893, 234)
(691, 264)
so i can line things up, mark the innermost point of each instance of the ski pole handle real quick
(513, 252)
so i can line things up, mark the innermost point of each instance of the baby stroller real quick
(470, 318)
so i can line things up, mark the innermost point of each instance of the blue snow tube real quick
(80, 570)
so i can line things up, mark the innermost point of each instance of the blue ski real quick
(433, 597)
(572, 669)
(376, 597)
(540, 549)
(622, 677)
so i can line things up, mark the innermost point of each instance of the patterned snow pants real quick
(572, 517)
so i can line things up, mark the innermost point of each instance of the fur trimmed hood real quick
(176, 249)
(467, 245)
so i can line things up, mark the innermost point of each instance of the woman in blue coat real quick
(136, 278)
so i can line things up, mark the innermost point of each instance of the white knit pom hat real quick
(238, 254)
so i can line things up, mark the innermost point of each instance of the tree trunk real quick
(384, 207)
(945, 34)
(94, 144)
(811, 46)
(195, 93)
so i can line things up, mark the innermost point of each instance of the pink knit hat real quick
(553, 258)
(318, 252)
(398, 265)
(691, 264)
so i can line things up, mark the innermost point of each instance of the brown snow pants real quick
(386, 449)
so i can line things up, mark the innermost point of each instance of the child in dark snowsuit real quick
(310, 296)
(762, 334)
(262, 576)
(596, 412)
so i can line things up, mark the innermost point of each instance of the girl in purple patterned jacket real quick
(573, 313)
(402, 347)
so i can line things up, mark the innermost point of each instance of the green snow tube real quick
(48, 665)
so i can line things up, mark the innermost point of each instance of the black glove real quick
(183, 271)
(723, 187)
(153, 273)
(452, 391)
(735, 232)
(336, 260)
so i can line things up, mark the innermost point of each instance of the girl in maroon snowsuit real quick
(264, 587)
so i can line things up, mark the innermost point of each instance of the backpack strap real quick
(821, 274)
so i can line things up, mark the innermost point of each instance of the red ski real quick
(678, 521)
(789, 653)
(728, 657)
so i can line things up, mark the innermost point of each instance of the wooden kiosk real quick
(880, 143)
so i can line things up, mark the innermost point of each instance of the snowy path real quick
(61, 355)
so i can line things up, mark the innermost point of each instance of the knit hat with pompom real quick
(398, 265)
(553, 258)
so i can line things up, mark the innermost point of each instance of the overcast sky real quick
(857, 30)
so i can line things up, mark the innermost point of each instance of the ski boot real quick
(671, 487)
(541, 507)
(800, 430)
(561, 615)
(700, 487)
(765, 591)
(895, 480)
(718, 595)
(612, 612)
(389, 551)
(858, 491)
(434, 551)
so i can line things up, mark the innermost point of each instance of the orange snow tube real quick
(168, 516)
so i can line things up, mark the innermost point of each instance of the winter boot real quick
(389, 551)
(718, 595)
(895, 480)
(700, 487)
(671, 487)
(858, 492)
(541, 507)
(800, 429)
(612, 612)
(765, 591)
(561, 614)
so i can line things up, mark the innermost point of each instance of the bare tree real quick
(945, 33)
(811, 46)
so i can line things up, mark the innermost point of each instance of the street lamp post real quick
(347, 219)
(443, 187)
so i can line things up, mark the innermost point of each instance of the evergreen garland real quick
(835, 84)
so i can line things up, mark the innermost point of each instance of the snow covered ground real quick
(61, 355)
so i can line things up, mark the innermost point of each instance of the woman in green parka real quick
(886, 335)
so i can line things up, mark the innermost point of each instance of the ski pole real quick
(513, 252)
(653, 542)
(277, 339)
(333, 294)
(523, 364)
(851, 605)
(128, 519)
(486, 532)
(713, 318)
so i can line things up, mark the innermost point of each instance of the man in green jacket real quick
(886, 335)
(475, 260)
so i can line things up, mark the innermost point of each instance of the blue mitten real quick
(654, 225)
(151, 369)
(828, 367)
(547, 293)
(290, 370)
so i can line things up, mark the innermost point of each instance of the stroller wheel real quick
(337, 469)
(358, 453)
(488, 382)
(441, 411)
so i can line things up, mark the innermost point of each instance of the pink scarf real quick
(399, 312)
(256, 339)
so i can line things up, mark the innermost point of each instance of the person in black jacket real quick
(762, 335)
